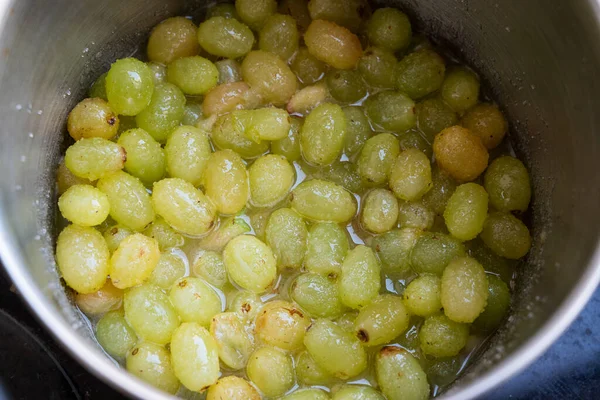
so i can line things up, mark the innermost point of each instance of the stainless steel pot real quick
(542, 59)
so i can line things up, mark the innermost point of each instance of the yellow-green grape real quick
(381, 321)
(389, 28)
(414, 140)
(164, 234)
(279, 35)
(378, 68)
(271, 178)
(309, 372)
(358, 129)
(192, 114)
(507, 182)
(114, 235)
(187, 151)
(491, 262)
(391, 110)
(145, 157)
(346, 86)
(133, 261)
(183, 206)
(359, 281)
(335, 350)
(82, 258)
(433, 116)
(229, 228)
(169, 268)
(506, 235)
(270, 76)
(433, 252)
(317, 295)
(380, 211)
(344, 173)
(126, 123)
(225, 10)
(234, 342)
(129, 86)
(225, 37)
(255, 12)
(460, 153)
(420, 73)
(258, 219)
(92, 118)
(281, 324)
(497, 306)
(94, 158)
(193, 75)
(225, 98)
(149, 312)
(84, 205)
(320, 200)
(441, 337)
(287, 235)
(357, 392)
(164, 112)
(400, 376)
(289, 146)
(422, 296)
(443, 371)
(130, 203)
(114, 334)
(442, 188)
(194, 356)
(346, 321)
(393, 249)
(108, 298)
(159, 72)
(307, 67)
(464, 290)
(347, 13)
(232, 388)
(466, 211)
(323, 134)
(271, 370)
(152, 363)
(195, 300)
(326, 249)
(98, 89)
(227, 134)
(210, 267)
(333, 44)
(298, 9)
(486, 121)
(264, 124)
(226, 181)
(377, 158)
(308, 98)
(230, 71)
(171, 39)
(307, 394)
(415, 215)
(65, 178)
(245, 304)
(250, 263)
(410, 176)
(460, 89)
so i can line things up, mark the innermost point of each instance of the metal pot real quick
(540, 60)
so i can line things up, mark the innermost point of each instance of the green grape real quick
(358, 129)
(271, 370)
(289, 146)
(442, 188)
(400, 375)
(326, 249)
(245, 304)
(346, 321)
(255, 12)
(150, 313)
(271, 177)
(394, 248)
(82, 258)
(129, 86)
(281, 324)
(466, 211)
(232, 388)
(279, 35)
(65, 179)
(133, 261)
(250, 263)
(378, 68)
(258, 219)
(317, 295)
(336, 351)
(391, 110)
(413, 140)
(460, 89)
(441, 337)
(84, 205)
(347, 13)
(187, 152)
(169, 268)
(171, 39)
(308, 98)
(193, 75)
(152, 363)
(98, 89)
(433, 116)
(164, 112)
(420, 73)
(506, 235)
(464, 290)
(226, 181)
(298, 9)
(410, 176)
(194, 356)
(94, 158)
(307, 394)
(389, 29)
(287, 235)
(229, 228)
(164, 234)
(307, 67)
(343, 173)
(225, 98)
(323, 134)
(92, 118)
(486, 121)
(497, 306)
(230, 71)
(195, 300)
(379, 211)
(415, 215)
(225, 37)
(309, 372)
(320, 200)
(433, 252)
(224, 10)
(185, 208)
(227, 134)
(114, 334)
(145, 157)
(460, 153)
(381, 321)
(377, 158)
(107, 298)
(233, 341)
(114, 235)
(126, 123)
(270, 76)
(346, 86)
(210, 267)
(357, 392)
(192, 114)
(491, 262)
(159, 73)
(130, 203)
(333, 44)
(264, 124)
(422, 296)
(507, 182)
(359, 281)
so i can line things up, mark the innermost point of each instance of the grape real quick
(152, 363)
(491, 262)
(377, 158)
(380, 211)
(346, 86)
(225, 37)
(171, 39)
(357, 392)
(224, 10)
(507, 182)
(460, 153)
(145, 157)
(460, 89)
(464, 290)
(169, 268)
(129, 86)
(133, 261)
(442, 188)
(289, 146)
(234, 343)
(394, 249)
(271, 370)
(441, 337)
(497, 306)
(279, 35)
(378, 68)
(415, 215)
(309, 372)
(82, 258)
(443, 371)
(225, 98)
(255, 12)
(229, 228)
(227, 134)
(195, 300)
(98, 89)
(92, 118)
(307, 67)
(466, 211)
(298, 9)
(230, 71)
(192, 114)
(307, 394)
(307, 99)
(286, 234)
(114, 334)
(226, 181)
(164, 112)
(410, 177)
(94, 158)
(413, 140)
(422, 295)
(271, 178)
(108, 298)
(209, 266)
(326, 249)
(346, 13)
(159, 73)
(420, 73)
(323, 134)
(250, 263)
(258, 219)
(389, 28)
(281, 324)
(232, 387)
(84, 205)
(400, 375)
(317, 295)
(358, 129)
(164, 234)
(114, 235)
(433, 116)
(193, 75)
(320, 200)
(333, 44)
(263, 124)
(245, 304)
(187, 152)
(391, 110)
(487, 122)
(381, 321)
(433, 252)
(65, 179)
(269, 76)
(506, 235)
(359, 281)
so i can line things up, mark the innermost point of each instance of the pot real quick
(539, 60)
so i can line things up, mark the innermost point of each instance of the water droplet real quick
(39, 112)
(37, 237)
(23, 158)
(30, 134)
(18, 107)
(18, 187)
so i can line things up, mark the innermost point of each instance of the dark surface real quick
(569, 370)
